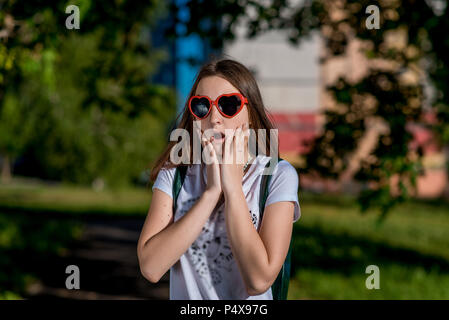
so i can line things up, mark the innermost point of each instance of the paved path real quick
(109, 269)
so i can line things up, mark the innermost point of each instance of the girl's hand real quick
(234, 159)
(212, 167)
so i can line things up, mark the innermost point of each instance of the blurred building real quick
(292, 82)
(289, 81)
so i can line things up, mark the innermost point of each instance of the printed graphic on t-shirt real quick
(210, 254)
(254, 218)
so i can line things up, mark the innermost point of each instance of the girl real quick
(215, 245)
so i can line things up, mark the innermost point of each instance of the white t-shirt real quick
(207, 270)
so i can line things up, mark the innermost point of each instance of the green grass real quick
(73, 200)
(333, 242)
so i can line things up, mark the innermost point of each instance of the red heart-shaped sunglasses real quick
(229, 105)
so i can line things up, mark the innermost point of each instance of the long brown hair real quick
(242, 79)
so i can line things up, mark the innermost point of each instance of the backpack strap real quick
(266, 178)
(180, 174)
(280, 285)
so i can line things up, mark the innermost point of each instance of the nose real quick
(215, 116)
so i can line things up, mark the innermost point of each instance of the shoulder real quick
(285, 167)
(164, 180)
(282, 176)
(167, 172)
(284, 186)
(285, 173)
(278, 168)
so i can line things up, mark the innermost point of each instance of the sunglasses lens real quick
(229, 105)
(200, 107)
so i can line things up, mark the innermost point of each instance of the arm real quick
(162, 241)
(259, 255)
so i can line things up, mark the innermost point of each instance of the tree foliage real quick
(410, 43)
(78, 104)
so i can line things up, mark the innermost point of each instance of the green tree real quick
(94, 111)
(396, 103)
(14, 132)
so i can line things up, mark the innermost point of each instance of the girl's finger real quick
(212, 151)
(238, 130)
(228, 146)
(247, 130)
(239, 142)
(237, 147)
(239, 133)
(203, 141)
(208, 151)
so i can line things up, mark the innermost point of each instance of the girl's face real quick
(214, 86)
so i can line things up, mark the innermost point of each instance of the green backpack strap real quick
(280, 285)
(180, 174)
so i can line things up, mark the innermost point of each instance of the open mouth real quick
(218, 135)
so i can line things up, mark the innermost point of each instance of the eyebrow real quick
(196, 94)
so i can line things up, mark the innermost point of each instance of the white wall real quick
(288, 76)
